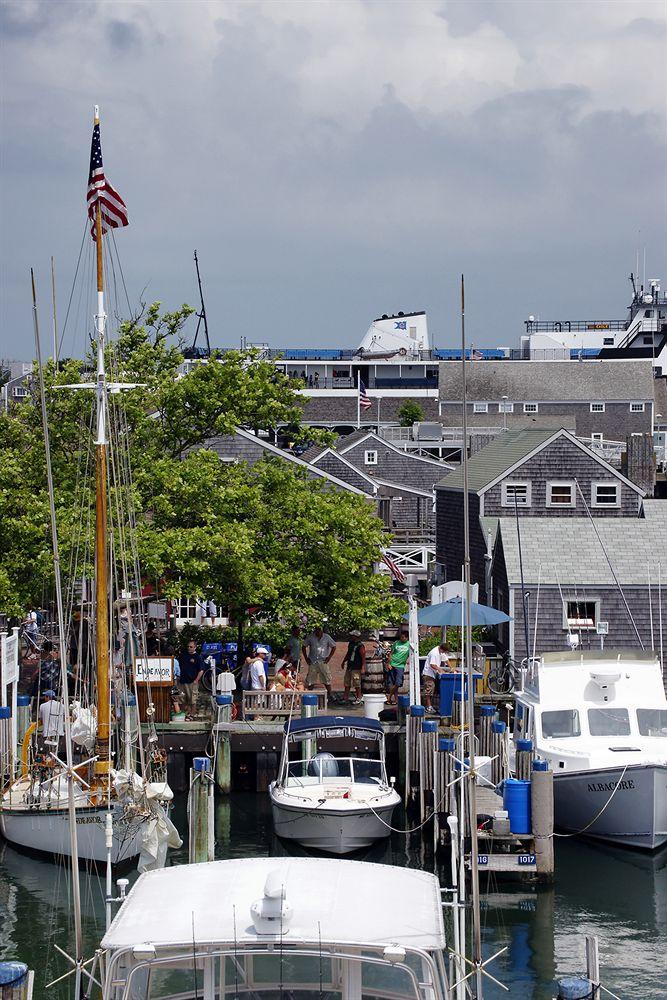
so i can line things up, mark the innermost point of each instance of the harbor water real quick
(619, 895)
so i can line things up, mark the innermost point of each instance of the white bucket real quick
(373, 705)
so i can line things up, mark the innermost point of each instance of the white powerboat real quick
(334, 804)
(600, 719)
(270, 927)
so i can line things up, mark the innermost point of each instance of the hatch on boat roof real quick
(335, 901)
(333, 722)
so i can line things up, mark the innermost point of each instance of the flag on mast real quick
(364, 399)
(395, 570)
(112, 207)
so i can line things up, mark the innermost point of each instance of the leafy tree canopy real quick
(410, 413)
(267, 536)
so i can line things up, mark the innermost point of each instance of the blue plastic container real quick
(540, 765)
(13, 974)
(524, 744)
(516, 801)
(574, 988)
(448, 684)
(22, 700)
(5, 712)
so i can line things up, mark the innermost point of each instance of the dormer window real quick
(605, 494)
(597, 407)
(480, 407)
(370, 458)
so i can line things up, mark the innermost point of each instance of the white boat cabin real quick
(302, 927)
(594, 709)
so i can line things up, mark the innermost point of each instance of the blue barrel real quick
(13, 974)
(450, 683)
(5, 712)
(22, 700)
(516, 800)
(574, 988)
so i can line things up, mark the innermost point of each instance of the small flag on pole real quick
(476, 355)
(364, 399)
(397, 573)
(113, 210)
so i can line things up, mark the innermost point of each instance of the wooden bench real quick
(272, 703)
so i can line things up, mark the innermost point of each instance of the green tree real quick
(266, 536)
(409, 413)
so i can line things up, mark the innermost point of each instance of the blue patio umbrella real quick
(453, 613)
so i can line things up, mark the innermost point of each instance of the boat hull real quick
(47, 831)
(332, 830)
(636, 814)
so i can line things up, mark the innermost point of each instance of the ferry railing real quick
(575, 326)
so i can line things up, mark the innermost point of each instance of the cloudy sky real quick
(332, 161)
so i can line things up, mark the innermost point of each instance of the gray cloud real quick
(330, 166)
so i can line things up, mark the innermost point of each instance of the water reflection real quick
(619, 895)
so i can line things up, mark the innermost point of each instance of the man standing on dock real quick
(398, 664)
(318, 649)
(355, 661)
(192, 668)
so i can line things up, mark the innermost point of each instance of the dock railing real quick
(271, 703)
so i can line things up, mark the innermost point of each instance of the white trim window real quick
(531, 407)
(512, 489)
(597, 437)
(187, 609)
(370, 458)
(636, 407)
(606, 494)
(505, 407)
(597, 407)
(579, 614)
(561, 493)
(480, 407)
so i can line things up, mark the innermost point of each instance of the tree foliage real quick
(410, 413)
(266, 536)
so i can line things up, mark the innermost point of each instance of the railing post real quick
(223, 749)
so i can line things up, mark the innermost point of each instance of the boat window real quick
(560, 725)
(368, 771)
(652, 721)
(608, 722)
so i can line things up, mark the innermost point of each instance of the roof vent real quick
(605, 678)
(272, 914)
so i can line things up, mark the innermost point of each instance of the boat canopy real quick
(322, 722)
(211, 903)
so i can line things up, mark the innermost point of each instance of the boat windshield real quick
(270, 976)
(652, 721)
(561, 725)
(324, 767)
(608, 722)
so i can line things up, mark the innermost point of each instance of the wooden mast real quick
(102, 747)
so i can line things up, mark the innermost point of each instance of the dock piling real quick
(524, 759)
(498, 752)
(428, 741)
(308, 711)
(486, 718)
(223, 749)
(7, 752)
(542, 808)
(201, 816)
(413, 728)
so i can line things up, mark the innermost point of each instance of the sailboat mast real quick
(102, 747)
(471, 789)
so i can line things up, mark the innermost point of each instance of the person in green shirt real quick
(398, 659)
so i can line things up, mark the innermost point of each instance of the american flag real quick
(397, 573)
(364, 399)
(112, 207)
(476, 355)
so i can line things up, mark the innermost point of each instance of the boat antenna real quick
(524, 595)
(201, 316)
(472, 797)
(71, 805)
(194, 957)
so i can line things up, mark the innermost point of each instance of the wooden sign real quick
(154, 669)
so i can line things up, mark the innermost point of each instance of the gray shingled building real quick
(567, 575)
(609, 398)
(551, 475)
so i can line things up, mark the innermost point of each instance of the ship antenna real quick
(201, 315)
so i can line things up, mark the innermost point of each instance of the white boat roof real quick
(333, 900)
(574, 678)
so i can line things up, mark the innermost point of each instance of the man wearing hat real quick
(355, 662)
(257, 673)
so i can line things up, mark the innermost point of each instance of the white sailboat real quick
(93, 810)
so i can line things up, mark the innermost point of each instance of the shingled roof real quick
(549, 381)
(568, 550)
(499, 455)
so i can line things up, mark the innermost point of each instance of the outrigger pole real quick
(102, 741)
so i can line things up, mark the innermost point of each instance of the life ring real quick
(403, 351)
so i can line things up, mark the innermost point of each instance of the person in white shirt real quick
(320, 648)
(437, 662)
(52, 719)
(257, 671)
